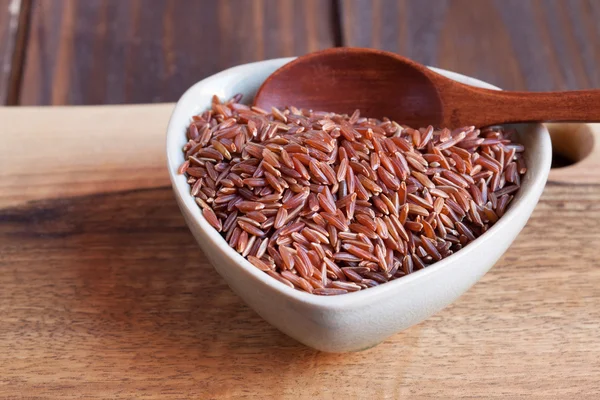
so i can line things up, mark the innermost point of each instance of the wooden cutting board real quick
(104, 293)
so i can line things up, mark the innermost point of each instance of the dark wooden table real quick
(121, 51)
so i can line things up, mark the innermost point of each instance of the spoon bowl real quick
(383, 84)
(341, 80)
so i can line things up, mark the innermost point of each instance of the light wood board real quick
(104, 294)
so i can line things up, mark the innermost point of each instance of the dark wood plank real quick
(12, 18)
(113, 51)
(8, 28)
(515, 44)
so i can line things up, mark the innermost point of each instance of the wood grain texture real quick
(113, 51)
(534, 45)
(106, 295)
(11, 19)
(95, 136)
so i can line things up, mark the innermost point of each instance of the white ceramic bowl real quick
(359, 320)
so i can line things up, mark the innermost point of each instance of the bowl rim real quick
(354, 298)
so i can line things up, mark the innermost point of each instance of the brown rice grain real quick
(305, 193)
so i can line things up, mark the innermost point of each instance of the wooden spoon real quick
(383, 84)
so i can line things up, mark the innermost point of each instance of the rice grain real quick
(331, 204)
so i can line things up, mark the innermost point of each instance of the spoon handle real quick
(490, 107)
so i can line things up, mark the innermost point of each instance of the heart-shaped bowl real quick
(362, 319)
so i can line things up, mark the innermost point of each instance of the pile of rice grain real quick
(331, 204)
